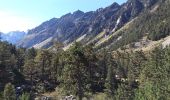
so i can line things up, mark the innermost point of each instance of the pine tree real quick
(75, 72)
(121, 93)
(30, 70)
(110, 80)
(5, 64)
(20, 57)
(9, 92)
(154, 79)
(31, 53)
(43, 60)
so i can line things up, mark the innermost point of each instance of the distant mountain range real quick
(13, 37)
(112, 27)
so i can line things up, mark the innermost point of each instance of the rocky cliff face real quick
(71, 27)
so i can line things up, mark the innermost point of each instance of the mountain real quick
(144, 30)
(110, 27)
(12, 37)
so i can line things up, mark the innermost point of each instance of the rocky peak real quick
(114, 5)
(78, 12)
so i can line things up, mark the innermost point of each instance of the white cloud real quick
(11, 22)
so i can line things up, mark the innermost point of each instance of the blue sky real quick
(26, 14)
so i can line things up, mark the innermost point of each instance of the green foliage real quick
(8, 63)
(152, 23)
(31, 53)
(1, 95)
(148, 92)
(110, 80)
(44, 61)
(81, 71)
(25, 96)
(159, 22)
(101, 96)
(75, 71)
(9, 92)
(121, 93)
(155, 76)
(30, 70)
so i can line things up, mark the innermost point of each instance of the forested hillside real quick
(100, 62)
(84, 73)
(152, 23)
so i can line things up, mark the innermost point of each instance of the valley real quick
(120, 52)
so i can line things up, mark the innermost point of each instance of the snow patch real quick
(117, 23)
(154, 9)
(90, 29)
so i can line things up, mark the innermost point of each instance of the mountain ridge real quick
(72, 26)
(12, 37)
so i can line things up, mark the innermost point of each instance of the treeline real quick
(83, 72)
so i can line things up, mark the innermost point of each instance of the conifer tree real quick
(9, 92)
(75, 72)
(110, 80)
(30, 70)
(43, 60)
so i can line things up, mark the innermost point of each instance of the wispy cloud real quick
(10, 22)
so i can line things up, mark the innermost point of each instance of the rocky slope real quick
(150, 26)
(101, 27)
